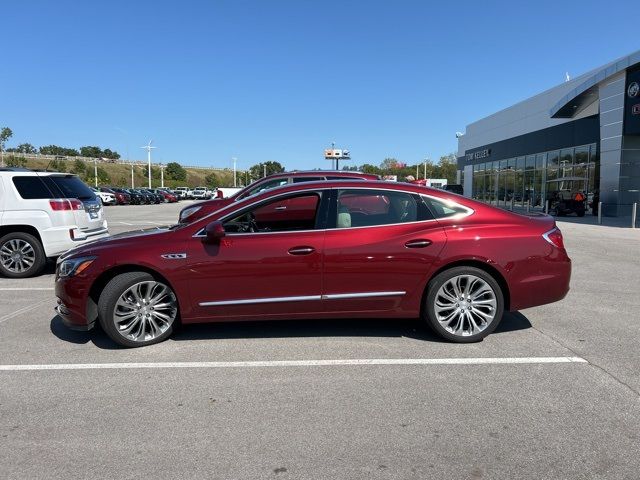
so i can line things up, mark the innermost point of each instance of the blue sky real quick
(279, 80)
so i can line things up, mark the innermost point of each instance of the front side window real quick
(285, 214)
(367, 208)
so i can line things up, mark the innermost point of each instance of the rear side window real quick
(368, 208)
(306, 179)
(266, 186)
(444, 209)
(345, 178)
(31, 188)
(69, 186)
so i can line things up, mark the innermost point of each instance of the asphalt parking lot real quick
(554, 393)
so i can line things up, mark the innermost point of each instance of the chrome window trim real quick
(469, 211)
(302, 298)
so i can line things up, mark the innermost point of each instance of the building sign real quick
(485, 153)
(339, 153)
(632, 103)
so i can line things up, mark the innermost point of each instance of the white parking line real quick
(25, 289)
(297, 363)
(26, 309)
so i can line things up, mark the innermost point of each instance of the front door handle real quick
(303, 250)
(420, 243)
(280, 207)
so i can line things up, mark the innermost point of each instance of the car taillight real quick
(66, 204)
(554, 237)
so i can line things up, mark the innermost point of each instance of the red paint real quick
(333, 261)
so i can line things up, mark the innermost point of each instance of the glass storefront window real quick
(536, 178)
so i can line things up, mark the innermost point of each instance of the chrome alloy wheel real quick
(465, 305)
(145, 311)
(17, 255)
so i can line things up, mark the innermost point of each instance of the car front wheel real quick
(464, 304)
(135, 309)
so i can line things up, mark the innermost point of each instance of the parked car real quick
(183, 191)
(122, 198)
(195, 212)
(200, 193)
(105, 197)
(157, 197)
(320, 250)
(147, 198)
(42, 215)
(137, 198)
(168, 196)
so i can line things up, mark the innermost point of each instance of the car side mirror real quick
(215, 231)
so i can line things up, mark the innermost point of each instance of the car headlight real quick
(187, 212)
(74, 266)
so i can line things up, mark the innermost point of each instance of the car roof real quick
(315, 173)
(373, 184)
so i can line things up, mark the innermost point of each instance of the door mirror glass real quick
(215, 231)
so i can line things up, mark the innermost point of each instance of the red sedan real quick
(332, 249)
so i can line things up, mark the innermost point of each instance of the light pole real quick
(234, 171)
(132, 186)
(265, 170)
(426, 160)
(95, 171)
(148, 148)
(161, 176)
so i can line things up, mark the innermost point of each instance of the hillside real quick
(119, 174)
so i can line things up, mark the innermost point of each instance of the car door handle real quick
(304, 250)
(420, 243)
(281, 207)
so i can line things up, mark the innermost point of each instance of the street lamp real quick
(148, 148)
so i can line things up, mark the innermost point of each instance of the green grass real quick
(119, 175)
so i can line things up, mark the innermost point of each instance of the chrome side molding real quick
(303, 298)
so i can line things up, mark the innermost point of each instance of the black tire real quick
(107, 304)
(441, 279)
(580, 213)
(39, 258)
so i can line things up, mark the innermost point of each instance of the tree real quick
(257, 171)
(23, 148)
(111, 154)
(91, 152)
(79, 166)
(368, 168)
(212, 181)
(103, 177)
(389, 164)
(5, 134)
(448, 167)
(60, 151)
(175, 171)
(14, 161)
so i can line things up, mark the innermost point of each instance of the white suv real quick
(42, 215)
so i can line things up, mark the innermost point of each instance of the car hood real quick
(125, 239)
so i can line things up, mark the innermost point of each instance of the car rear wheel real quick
(136, 310)
(464, 304)
(21, 255)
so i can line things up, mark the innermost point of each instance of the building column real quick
(612, 94)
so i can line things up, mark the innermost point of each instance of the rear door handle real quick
(420, 243)
(303, 250)
(280, 207)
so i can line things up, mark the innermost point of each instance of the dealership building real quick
(581, 136)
